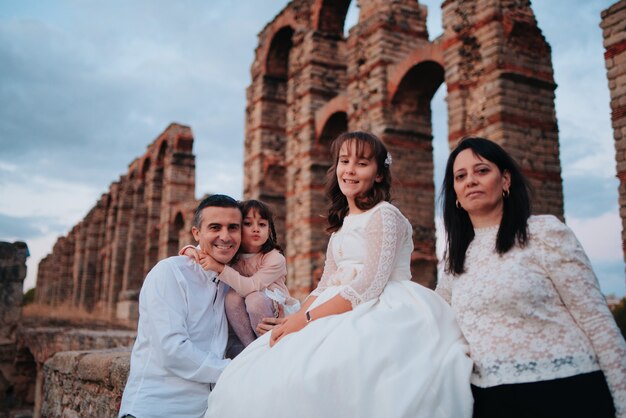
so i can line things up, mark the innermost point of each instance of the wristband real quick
(308, 316)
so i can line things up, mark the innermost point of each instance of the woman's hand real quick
(292, 323)
(208, 263)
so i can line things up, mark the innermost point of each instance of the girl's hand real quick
(268, 324)
(208, 263)
(191, 252)
(293, 323)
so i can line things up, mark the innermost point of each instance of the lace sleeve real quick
(570, 271)
(384, 234)
(329, 269)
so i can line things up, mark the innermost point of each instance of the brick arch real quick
(277, 59)
(429, 52)
(162, 148)
(177, 224)
(329, 16)
(336, 104)
(286, 21)
(146, 164)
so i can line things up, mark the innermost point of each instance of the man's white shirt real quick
(181, 339)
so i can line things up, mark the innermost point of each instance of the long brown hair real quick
(369, 146)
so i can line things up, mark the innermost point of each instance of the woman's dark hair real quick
(264, 211)
(516, 208)
(369, 146)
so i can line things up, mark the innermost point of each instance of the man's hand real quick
(267, 324)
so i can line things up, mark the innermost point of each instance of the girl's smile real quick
(356, 174)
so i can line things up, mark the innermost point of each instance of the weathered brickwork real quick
(145, 216)
(85, 383)
(309, 83)
(38, 348)
(12, 274)
(614, 31)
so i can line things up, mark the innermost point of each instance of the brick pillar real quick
(80, 233)
(500, 86)
(42, 281)
(266, 121)
(12, 275)
(179, 183)
(391, 40)
(94, 222)
(129, 245)
(317, 74)
(614, 33)
(106, 299)
(153, 178)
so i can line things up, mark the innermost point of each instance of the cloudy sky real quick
(86, 85)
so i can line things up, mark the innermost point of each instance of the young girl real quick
(368, 342)
(257, 278)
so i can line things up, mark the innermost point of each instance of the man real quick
(182, 331)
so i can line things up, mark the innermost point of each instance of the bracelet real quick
(308, 316)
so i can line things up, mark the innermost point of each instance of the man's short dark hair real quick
(218, 200)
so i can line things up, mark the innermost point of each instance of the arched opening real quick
(174, 242)
(336, 124)
(271, 129)
(161, 154)
(277, 64)
(409, 138)
(145, 168)
(332, 15)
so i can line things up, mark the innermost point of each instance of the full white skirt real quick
(401, 355)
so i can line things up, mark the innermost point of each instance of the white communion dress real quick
(398, 353)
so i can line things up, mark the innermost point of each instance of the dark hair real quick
(264, 211)
(364, 142)
(218, 200)
(516, 208)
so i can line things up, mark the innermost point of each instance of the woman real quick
(367, 342)
(543, 341)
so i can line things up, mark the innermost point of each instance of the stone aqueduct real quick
(310, 82)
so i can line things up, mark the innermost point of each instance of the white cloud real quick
(600, 236)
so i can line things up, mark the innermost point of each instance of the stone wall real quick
(614, 31)
(36, 345)
(85, 383)
(146, 215)
(310, 82)
(12, 275)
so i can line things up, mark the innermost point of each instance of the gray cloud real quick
(15, 228)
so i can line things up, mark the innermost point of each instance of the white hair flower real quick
(388, 160)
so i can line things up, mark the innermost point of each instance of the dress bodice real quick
(370, 249)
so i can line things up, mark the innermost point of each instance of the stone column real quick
(500, 86)
(614, 33)
(12, 275)
(381, 46)
(179, 183)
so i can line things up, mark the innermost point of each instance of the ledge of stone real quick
(85, 383)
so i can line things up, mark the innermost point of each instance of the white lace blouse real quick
(535, 313)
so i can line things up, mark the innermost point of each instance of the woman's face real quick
(479, 184)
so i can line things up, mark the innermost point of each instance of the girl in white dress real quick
(368, 342)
